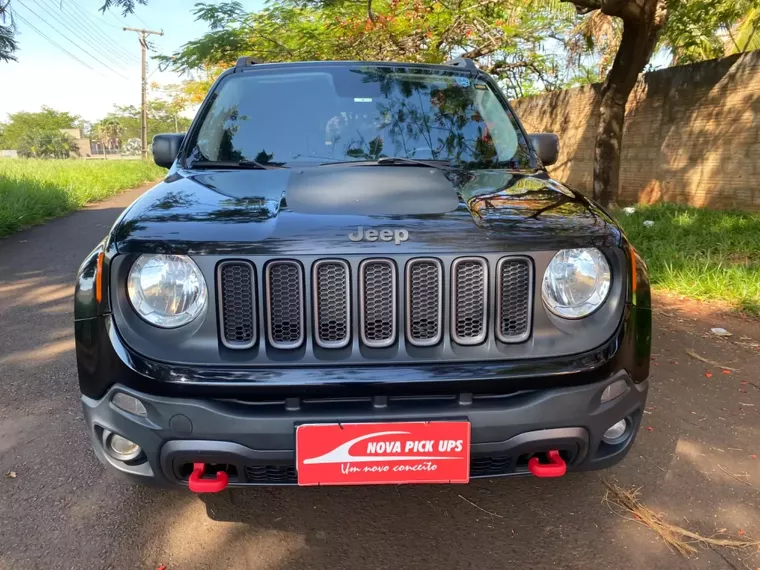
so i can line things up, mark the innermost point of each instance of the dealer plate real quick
(383, 453)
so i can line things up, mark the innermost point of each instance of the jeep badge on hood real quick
(396, 236)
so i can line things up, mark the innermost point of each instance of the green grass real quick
(700, 253)
(33, 191)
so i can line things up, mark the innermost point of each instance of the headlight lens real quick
(168, 291)
(576, 283)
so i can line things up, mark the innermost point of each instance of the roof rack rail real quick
(246, 61)
(465, 62)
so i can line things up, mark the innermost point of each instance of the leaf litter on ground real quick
(622, 500)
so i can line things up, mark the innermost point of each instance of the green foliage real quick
(109, 132)
(698, 252)
(508, 37)
(127, 6)
(705, 29)
(39, 143)
(162, 118)
(746, 35)
(32, 191)
(8, 43)
(23, 122)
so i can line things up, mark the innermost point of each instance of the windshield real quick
(316, 115)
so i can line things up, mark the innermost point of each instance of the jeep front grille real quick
(463, 301)
(237, 304)
(332, 307)
(285, 303)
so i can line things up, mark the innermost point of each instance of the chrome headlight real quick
(576, 282)
(168, 291)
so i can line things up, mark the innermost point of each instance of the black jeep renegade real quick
(360, 273)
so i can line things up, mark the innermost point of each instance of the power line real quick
(96, 46)
(93, 24)
(94, 33)
(64, 36)
(139, 19)
(63, 49)
(116, 19)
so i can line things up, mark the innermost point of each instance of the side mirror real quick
(166, 148)
(546, 146)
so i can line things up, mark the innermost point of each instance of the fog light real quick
(616, 432)
(129, 404)
(617, 388)
(120, 447)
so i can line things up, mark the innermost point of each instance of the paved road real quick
(63, 511)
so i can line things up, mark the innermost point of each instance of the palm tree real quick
(109, 133)
(725, 27)
(745, 35)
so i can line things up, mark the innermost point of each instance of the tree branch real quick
(370, 13)
(630, 10)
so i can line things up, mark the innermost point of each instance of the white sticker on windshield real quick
(362, 99)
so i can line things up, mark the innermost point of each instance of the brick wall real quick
(692, 134)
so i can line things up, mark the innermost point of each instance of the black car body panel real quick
(307, 213)
(267, 212)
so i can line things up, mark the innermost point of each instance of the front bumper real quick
(254, 440)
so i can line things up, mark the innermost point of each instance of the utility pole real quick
(144, 112)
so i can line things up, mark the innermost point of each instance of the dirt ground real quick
(695, 462)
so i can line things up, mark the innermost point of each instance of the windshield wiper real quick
(395, 161)
(241, 164)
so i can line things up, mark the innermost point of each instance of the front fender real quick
(86, 303)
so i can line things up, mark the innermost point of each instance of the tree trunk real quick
(639, 38)
(609, 139)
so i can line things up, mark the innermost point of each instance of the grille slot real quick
(237, 303)
(480, 466)
(331, 303)
(285, 304)
(469, 300)
(424, 301)
(513, 299)
(271, 474)
(491, 465)
(377, 292)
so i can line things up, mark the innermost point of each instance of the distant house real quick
(83, 145)
(8, 154)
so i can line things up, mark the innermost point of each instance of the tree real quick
(23, 122)
(506, 37)
(642, 21)
(163, 117)
(8, 44)
(706, 29)
(39, 143)
(109, 132)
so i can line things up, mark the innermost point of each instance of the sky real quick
(108, 72)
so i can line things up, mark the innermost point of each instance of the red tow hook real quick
(199, 485)
(555, 468)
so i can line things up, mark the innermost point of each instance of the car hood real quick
(302, 211)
